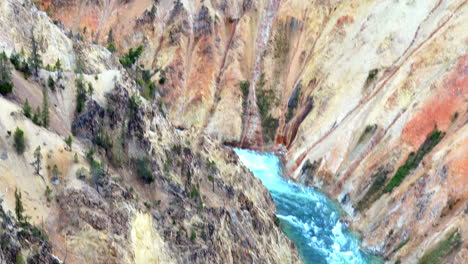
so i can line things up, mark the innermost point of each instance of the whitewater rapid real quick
(309, 218)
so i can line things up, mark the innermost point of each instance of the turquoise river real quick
(309, 218)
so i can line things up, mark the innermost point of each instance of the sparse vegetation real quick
(37, 116)
(48, 193)
(45, 108)
(6, 85)
(19, 141)
(110, 41)
(37, 160)
(80, 94)
(69, 142)
(442, 249)
(19, 209)
(21, 64)
(371, 76)
(244, 86)
(265, 99)
(193, 235)
(414, 159)
(27, 109)
(129, 59)
(35, 60)
(51, 83)
(143, 171)
(374, 191)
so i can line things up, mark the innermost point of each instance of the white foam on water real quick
(308, 217)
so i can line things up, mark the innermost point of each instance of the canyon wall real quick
(367, 100)
(109, 179)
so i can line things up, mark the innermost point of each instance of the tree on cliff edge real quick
(6, 86)
(35, 59)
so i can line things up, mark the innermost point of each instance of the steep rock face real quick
(130, 188)
(347, 90)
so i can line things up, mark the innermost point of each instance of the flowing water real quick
(309, 218)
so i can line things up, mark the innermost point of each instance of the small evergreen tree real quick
(58, 68)
(37, 116)
(19, 143)
(80, 94)
(6, 85)
(45, 108)
(35, 60)
(69, 142)
(51, 83)
(37, 159)
(19, 209)
(90, 90)
(27, 109)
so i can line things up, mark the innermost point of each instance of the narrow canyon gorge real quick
(234, 131)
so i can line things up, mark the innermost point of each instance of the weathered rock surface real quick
(352, 88)
(131, 188)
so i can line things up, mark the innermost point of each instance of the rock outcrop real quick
(346, 90)
(117, 182)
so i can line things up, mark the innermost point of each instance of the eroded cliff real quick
(346, 90)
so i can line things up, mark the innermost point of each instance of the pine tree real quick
(36, 118)
(51, 83)
(19, 141)
(90, 90)
(69, 142)
(45, 108)
(58, 68)
(27, 109)
(6, 86)
(37, 159)
(35, 60)
(19, 209)
(80, 94)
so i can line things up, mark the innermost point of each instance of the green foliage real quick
(58, 65)
(90, 90)
(35, 60)
(19, 258)
(80, 94)
(45, 108)
(147, 85)
(371, 77)
(266, 98)
(244, 86)
(6, 85)
(374, 191)
(401, 245)
(193, 236)
(111, 47)
(143, 171)
(19, 209)
(51, 83)
(37, 159)
(152, 13)
(276, 220)
(37, 116)
(414, 159)
(129, 59)
(48, 193)
(27, 109)
(21, 64)
(19, 141)
(195, 192)
(69, 142)
(442, 249)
